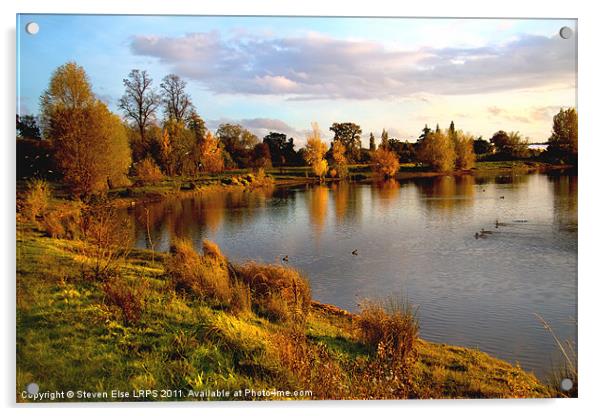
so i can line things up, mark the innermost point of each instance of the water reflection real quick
(414, 237)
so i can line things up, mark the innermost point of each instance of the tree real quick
(212, 160)
(437, 150)
(405, 150)
(282, 150)
(90, 142)
(197, 126)
(177, 102)
(261, 158)
(350, 135)
(463, 146)
(563, 141)
(238, 142)
(315, 149)
(385, 162)
(509, 145)
(384, 139)
(140, 101)
(339, 160)
(372, 142)
(27, 127)
(481, 146)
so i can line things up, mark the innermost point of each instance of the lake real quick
(415, 239)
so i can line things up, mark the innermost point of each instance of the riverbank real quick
(71, 337)
(295, 176)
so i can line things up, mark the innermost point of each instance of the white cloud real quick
(321, 67)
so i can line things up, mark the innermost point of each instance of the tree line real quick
(161, 133)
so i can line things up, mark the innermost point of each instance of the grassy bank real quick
(181, 321)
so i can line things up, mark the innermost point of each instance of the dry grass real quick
(204, 276)
(127, 298)
(278, 292)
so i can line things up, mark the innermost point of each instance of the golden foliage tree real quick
(315, 149)
(437, 150)
(463, 146)
(563, 141)
(212, 159)
(91, 143)
(385, 162)
(339, 159)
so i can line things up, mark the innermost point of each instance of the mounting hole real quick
(566, 384)
(566, 32)
(32, 28)
(33, 388)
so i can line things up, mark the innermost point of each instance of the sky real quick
(282, 73)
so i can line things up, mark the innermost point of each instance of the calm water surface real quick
(416, 239)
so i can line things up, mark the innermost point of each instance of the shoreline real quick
(126, 197)
(475, 373)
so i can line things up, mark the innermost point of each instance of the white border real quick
(589, 196)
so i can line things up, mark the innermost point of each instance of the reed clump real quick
(278, 292)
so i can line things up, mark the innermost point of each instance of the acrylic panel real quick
(307, 208)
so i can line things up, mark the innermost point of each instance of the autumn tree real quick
(339, 159)
(350, 135)
(509, 145)
(139, 104)
(176, 100)
(372, 143)
(212, 160)
(437, 151)
(315, 149)
(563, 141)
(90, 142)
(238, 142)
(385, 162)
(463, 147)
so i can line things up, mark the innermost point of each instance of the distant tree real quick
(405, 150)
(463, 146)
(27, 127)
(509, 145)
(140, 101)
(90, 142)
(384, 139)
(372, 142)
(315, 149)
(340, 167)
(425, 132)
(176, 100)
(563, 141)
(437, 150)
(350, 135)
(452, 130)
(238, 142)
(437, 129)
(212, 160)
(196, 125)
(261, 158)
(282, 150)
(385, 162)
(481, 146)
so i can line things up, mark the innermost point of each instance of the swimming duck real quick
(285, 258)
(354, 252)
